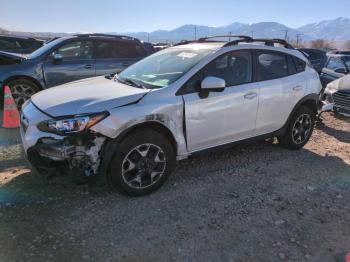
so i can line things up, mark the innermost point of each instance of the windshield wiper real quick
(129, 81)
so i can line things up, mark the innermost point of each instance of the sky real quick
(151, 15)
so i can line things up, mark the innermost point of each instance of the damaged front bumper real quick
(52, 154)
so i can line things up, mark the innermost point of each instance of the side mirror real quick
(341, 71)
(56, 57)
(211, 83)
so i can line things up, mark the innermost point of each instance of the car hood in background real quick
(341, 84)
(90, 95)
(7, 58)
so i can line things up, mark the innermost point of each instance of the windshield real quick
(45, 48)
(163, 68)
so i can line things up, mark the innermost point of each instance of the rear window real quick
(114, 49)
(300, 64)
(272, 65)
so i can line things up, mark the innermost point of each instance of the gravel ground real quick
(253, 202)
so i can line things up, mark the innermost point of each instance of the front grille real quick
(342, 99)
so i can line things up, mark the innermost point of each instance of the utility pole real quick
(252, 33)
(286, 34)
(230, 33)
(195, 32)
(298, 39)
(148, 37)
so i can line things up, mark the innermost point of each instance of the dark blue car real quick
(68, 59)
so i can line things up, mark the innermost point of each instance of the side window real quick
(104, 49)
(300, 64)
(76, 50)
(335, 63)
(128, 50)
(272, 65)
(291, 65)
(235, 68)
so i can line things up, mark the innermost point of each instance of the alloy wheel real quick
(301, 129)
(21, 93)
(143, 166)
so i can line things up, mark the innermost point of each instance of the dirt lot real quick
(254, 202)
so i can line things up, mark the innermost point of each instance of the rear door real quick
(328, 73)
(77, 63)
(282, 84)
(113, 56)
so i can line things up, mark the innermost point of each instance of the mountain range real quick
(334, 30)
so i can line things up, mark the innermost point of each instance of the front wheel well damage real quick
(153, 125)
(110, 145)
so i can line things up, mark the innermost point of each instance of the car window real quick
(104, 49)
(300, 64)
(129, 50)
(291, 65)
(272, 65)
(76, 50)
(315, 55)
(114, 49)
(335, 63)
(235, 68)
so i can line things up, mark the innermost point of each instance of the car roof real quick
(216, 46)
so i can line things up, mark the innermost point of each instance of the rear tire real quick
(22, 90)
(142, 163)
(299, 129)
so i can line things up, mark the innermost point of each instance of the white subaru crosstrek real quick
(131, 128)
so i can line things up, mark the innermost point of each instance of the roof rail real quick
(242, 39)
(108, 35)
(204, 39)
(266, 41)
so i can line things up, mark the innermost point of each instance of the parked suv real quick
(174, 103)
(68, 59)
(317, 57)
(337, 66)
(18, 44)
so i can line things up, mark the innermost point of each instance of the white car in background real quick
(179, 101)
(337, 96)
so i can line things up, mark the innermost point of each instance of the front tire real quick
(299, 129)
(142, 163)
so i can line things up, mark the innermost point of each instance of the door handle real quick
(88, 66)
(297, 88)
(250, 96)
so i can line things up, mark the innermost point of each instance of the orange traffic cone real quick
(11, 115)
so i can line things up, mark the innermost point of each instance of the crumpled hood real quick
(341, 84)
(90, 95)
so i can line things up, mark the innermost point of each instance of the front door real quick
(216, 118)
(76, 63)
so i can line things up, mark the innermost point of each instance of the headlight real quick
(74, 124)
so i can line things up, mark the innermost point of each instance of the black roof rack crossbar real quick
(242, 39)
(204, 39)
